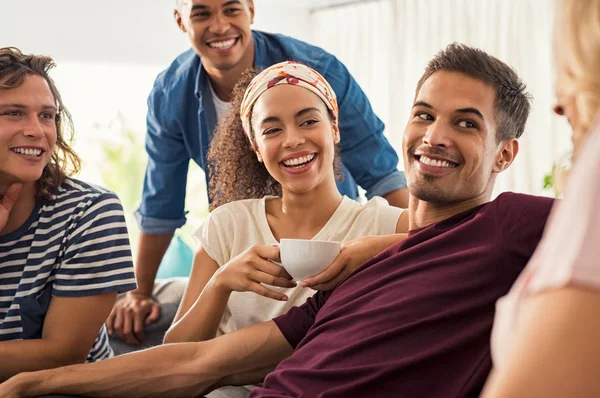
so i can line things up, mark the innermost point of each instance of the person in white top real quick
(545, 337)
(277, 153)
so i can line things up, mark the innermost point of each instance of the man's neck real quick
(422, 213)
(22, 208)
(223, 81)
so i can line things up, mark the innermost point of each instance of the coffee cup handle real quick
(276, 244)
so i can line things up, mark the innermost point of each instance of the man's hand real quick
(7, 202)
(12, 388)
(354, 254)
(129, 316)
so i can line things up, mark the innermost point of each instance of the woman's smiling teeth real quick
(27, 151)
(222, 45)
(435, 163)
(298, 162)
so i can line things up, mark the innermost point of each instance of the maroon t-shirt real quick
(415, 321)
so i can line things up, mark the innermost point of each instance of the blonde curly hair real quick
(577, 40)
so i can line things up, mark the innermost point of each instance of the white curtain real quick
(386, 45)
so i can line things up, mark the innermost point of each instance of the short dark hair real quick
(513, 103)
(15, 67)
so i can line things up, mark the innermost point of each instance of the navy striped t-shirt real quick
(74, 245)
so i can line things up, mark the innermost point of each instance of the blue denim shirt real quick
(181, 119)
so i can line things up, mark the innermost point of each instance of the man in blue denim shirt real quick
(184, 107)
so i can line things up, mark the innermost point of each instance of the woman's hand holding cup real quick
(254, 267)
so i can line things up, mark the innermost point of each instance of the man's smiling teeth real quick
(222, 44)
(435, 163)
(27, 151)
(299, 161)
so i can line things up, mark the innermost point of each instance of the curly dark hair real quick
(233, 169)
(15, 67)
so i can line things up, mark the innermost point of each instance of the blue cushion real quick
(177, 260)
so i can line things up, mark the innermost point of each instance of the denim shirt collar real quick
(201, 79)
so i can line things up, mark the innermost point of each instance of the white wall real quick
(118, 31)
(108, 55)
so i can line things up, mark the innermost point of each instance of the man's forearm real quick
(151, 250)
(183, 369)
(18, 356)
(168, 370)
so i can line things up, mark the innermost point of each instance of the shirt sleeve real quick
(382, 217)
(520, 222)
(569, 252)
(210, 237)
(296, 323)
(97, 257)
(164, 189)
(365, 151)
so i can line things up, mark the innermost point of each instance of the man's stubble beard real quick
(425, 190)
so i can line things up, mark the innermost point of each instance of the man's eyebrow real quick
(199, 7)
(18, 106)
(471, 110)
(474, 111)
(422, 103)
(21, 106)
(231, 2)
(205, 7)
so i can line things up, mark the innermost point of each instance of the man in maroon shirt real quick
(415, 321)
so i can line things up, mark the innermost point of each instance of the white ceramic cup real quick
(302, 258)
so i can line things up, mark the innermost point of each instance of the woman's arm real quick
(556, 352)
(202, 306)
(70, 328)
(210, 286)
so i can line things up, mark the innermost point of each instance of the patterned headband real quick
(286, 73)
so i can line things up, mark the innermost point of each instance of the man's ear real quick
(251, 8)
(179, 20)
(507, 151)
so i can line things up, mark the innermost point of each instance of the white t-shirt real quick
(236, 226)
(221, 107)
(567, 254)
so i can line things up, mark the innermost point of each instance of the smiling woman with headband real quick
(274, 169)
(235, 171)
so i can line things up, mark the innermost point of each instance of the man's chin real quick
(430, 193)
(224, 63)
